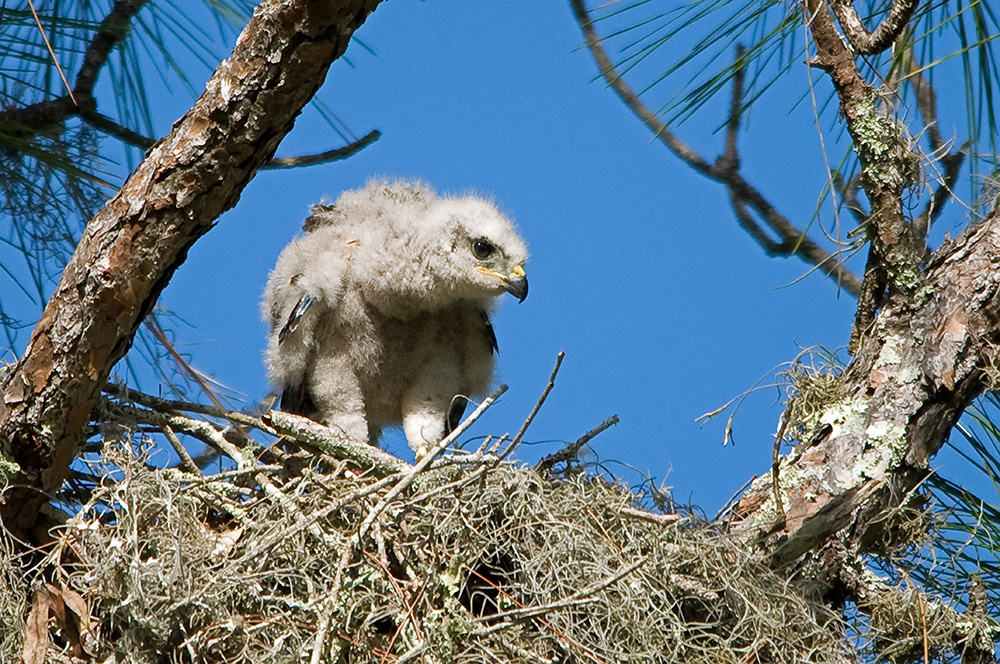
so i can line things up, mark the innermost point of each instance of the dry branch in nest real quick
(302, 550)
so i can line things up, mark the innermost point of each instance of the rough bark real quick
(926, 357)
(132, 247)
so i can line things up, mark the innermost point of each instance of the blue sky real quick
(665, 308)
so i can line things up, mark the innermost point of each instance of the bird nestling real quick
(380, 314)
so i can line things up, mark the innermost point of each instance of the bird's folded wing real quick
(305, 286)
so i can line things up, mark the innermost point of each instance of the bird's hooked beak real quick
(515, 283)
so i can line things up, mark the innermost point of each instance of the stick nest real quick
(479, 561)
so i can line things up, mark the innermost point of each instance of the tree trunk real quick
(132, 247)
(927, 355)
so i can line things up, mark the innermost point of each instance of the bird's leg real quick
(337, 393)
(423, 426)
(427, 402)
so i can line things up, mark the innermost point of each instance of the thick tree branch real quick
(870, 43)
(791, 241)
(914, 374)
(131, 248)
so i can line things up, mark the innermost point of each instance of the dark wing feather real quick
(301, 307)
(491, 336)
(455, 412)
(297, 400)
(321, 216)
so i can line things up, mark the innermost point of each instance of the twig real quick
(324, 157)
(187, 463)
(479, 458)
(453, 486)
(538, 406)
(923, 627)
(555, 630)
(733, 500)
(229, 474)
(596, 431)
(849, 196)
(112, 128)
(200, 429)
(212, 436)
(870, 43)
(926, 100)
(289, 505)
(659, 519)
(779, 505)
(494, 449)
(571, 451)
(79, 100)
(408, 603)
(793, 241)
(729, 161)
(507, 618)
(730, 158)
(326, 610)
(927, 106)
(412, 653)
(43, 115)
(275, 423)
(126, 135)
(170, 405)
(314, 518)
(110, 32)
(935, 206)
(581, 596)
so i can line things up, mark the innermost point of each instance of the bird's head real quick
(486, 254)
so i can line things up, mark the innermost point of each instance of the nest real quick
(466, 559)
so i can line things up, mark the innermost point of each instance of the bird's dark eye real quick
(482, 249)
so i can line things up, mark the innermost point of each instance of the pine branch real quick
(791, 241)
